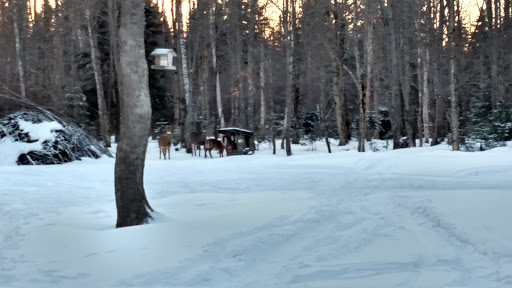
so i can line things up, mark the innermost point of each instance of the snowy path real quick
(312, 220)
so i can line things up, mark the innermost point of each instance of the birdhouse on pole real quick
(163, 59)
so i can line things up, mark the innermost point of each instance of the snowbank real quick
(34, 138)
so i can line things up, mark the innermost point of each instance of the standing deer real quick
(212, 144)
(229, 144)
(164, 144)
(196, 139)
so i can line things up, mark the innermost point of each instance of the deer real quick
(212, 144)
(164, 144)
(229, 144)
(196, 139)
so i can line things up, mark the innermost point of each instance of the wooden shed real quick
(244, 140)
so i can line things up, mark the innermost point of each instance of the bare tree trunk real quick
(186, 80)
(100, 92)
(250, 73)
(426, 98)
(112, 26)
(339, 100)
(213, 39)
(132, 204)
(363, 88)
(375, 93)
(396, 113)
(439, 105)
(263, 111)
(420, 87)
(296, 98)
(289, 79)
(336, 51)
(206, 94)
(19, 61)
(454, 113)
(406, 90)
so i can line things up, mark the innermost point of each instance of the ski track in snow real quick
(342, 220)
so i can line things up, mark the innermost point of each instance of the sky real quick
(470, 8)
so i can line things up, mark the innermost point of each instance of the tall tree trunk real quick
(131, 201)
(239, 78)
(206, 94)
(100, 92)
(19, 52)
(426, 97)
(177, 83)
(363, 88)
(289, 79)
(376, 107)
(336, 52)
(112, 28)
(406, 89)
(440, 109)
(454, 113)
(297, 99)
(213, 39)
(251, 46)
(189, 113)
(339, 100)
(263, 111)
(396, 111)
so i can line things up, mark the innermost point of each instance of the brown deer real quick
(164, 143)
(229, 144)
(196, 140)
(212, 144)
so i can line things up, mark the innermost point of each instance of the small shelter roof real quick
(163, 51)
(235, 131)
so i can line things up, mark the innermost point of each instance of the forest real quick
(411, 72)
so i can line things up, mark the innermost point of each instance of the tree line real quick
(412, 72)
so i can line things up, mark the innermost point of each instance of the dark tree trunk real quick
(132, 204)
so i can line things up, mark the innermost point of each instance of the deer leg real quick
(160, 153)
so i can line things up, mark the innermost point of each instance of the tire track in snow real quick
(428, 221)
(276, 253)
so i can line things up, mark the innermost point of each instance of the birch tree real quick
(182, 52)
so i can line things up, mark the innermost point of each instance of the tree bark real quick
(100, 92)
(213, 39)
(396, 111)
(426, 97)
(439, 105)
(336, 52)
(263, 111)
(19, 60)
(189, 113)
(250, 65)
(406, 89)
(131, 201)
(289, 79)
(296, 98)
(454, 113)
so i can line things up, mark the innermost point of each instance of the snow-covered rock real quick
(40, 137)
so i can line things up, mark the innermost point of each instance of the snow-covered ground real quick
(422, 217)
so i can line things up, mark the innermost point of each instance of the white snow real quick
(421, 217)
(10, 150)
